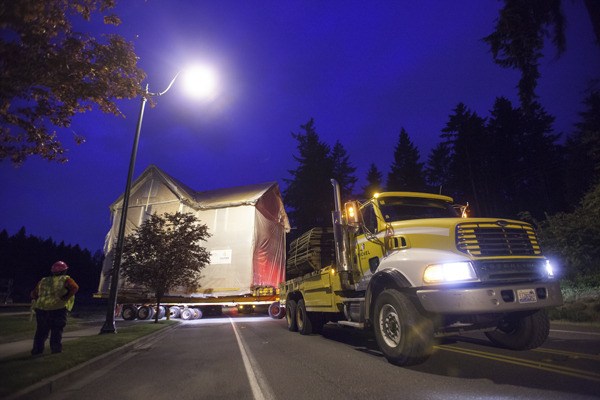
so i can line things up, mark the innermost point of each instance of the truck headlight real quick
(549, 269)
(449, 273)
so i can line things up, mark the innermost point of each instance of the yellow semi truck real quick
(411, 268)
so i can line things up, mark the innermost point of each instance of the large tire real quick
(129, 312)
(302, 320)
(145, 312)
(404, 335)
(276, 311)
(290, 315)
(519, 331)
(175, 311)
(161, 312)
(187, 314)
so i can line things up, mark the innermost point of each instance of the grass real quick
(21, 370)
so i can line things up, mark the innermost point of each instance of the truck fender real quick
(384, 279)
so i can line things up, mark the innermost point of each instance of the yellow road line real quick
(594, 357)
(526, 363)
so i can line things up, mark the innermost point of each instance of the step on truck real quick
(411, 268)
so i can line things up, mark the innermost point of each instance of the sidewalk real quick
(24, 346)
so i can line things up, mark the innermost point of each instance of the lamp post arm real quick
(167, 89)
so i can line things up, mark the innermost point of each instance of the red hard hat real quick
(59, 266)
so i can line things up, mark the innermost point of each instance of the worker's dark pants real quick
(49, 322)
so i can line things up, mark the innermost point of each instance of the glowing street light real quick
(200, 82)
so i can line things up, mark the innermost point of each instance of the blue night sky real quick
(362, 70)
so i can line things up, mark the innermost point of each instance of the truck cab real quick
(411, 267)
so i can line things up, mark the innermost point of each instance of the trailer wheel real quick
(290, 315)
(187, 314)
(129, 312)
(302, 320)
(145, 312)
(404, 336)
(276, 311)
(161, 312)
(521, 331)
(175, 311)
(197, 313)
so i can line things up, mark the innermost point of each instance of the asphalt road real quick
(257, 358)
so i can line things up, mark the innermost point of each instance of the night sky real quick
(362, 70)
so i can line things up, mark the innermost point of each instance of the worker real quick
(52, 298)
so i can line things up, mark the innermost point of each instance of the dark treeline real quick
(26, 259)
(510, 164)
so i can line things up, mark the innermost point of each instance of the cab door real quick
(369, 246)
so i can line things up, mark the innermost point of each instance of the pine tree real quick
(343, 171)
(374, 182)
(406, 173)
(308, 193)
(437, 170)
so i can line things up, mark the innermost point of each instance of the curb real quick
(57, 382)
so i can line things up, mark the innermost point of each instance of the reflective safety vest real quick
(50, 291)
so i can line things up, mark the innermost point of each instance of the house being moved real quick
(247, 226)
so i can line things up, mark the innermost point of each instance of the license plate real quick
(526, 296)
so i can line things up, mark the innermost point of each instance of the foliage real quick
(406, 173)
(518, 39)
(165, 252)
(49, 73)
(583, 150)
(575, 239)
(309, 193)
(26, 259)
(374, 182)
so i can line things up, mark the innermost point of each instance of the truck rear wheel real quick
(175, 311)
(290, 315)
(404, 336)
(521, 331)
(302, 320)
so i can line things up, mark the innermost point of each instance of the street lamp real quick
(201, 83)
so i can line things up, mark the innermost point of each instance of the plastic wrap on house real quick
(247, 226)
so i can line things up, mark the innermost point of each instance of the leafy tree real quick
(406, 171)
(164, 253)
(374, 182)
(49, 73)
(308, 192)
(575, 239)
(518, 39)
(342, 169)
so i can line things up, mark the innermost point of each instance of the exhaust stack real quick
(341, 239)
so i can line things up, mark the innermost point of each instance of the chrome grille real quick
(501, 238)
(522, 270)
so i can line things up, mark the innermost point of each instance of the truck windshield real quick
(403, 208)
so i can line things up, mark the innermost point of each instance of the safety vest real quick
(50, 291)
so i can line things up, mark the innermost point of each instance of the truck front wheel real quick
(290, 315)
(521, 331)
(404, 336)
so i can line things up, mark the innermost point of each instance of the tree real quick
(575, 238)
(343, 171)
(406, 172)
(374, 182)
(437, 170)
(164, 253)
(308, 192)
(518, 39)
(49, 73)
(583, 150)
(466, 137)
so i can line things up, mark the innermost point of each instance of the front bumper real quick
(495, 299)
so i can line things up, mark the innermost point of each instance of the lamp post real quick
(109, 323)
